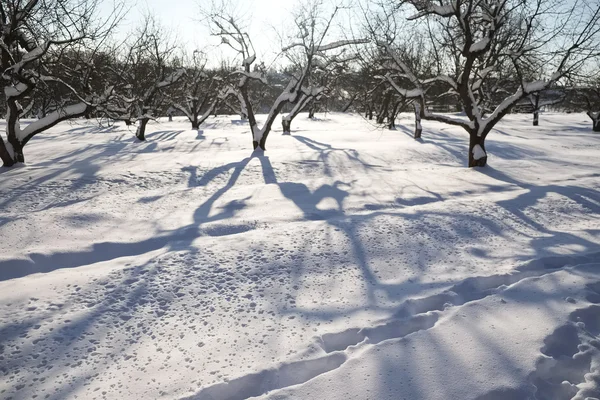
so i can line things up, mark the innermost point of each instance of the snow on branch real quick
(443, 78)
(340, 43)
(426, 7)
(249, 60)
(406, 93)
(250, 75)
(29, 57)
(480, 45)
(52, 119)
(15, 91)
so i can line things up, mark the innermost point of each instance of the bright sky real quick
(183, 18)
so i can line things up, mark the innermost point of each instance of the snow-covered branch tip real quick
(340, 43)
(426, 7)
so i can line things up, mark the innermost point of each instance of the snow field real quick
(187, 267)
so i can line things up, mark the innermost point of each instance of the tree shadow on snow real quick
(327, 152)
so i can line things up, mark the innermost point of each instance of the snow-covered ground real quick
(347, 262)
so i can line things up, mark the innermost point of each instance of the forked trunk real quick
(195, 124)
(140, 132)
(477, 154)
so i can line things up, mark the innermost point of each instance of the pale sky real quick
(183, 18)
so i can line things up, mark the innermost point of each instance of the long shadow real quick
(462, 225)
(326, 151)
(585, 197)
(307, 201)
(176, 239)
(164, 135)
(86, 167)
(94, 129)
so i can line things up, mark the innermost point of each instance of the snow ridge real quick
(413, 316)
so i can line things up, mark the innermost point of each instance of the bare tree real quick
(313, 31)
(387, 80)
(36, 36)
(544, 98)
(477, 41)
(592, 97)
(200, 91)
(585, 94)
(322, 64)
(144, 72)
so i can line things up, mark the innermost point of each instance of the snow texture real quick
(345, 264)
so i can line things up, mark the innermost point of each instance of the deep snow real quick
(345, 262)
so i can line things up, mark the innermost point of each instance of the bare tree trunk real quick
(18, 152)
(393, 115)
(7, 159)
(418, 127)
(12, 123)
(477, 153)
(596, 124)
(263, 141)
(311, 111)
(140, 132)
(383, 110)
(536, 108)
(286, 125)
(195, 123)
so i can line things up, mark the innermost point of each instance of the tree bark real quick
(536, 118)
(393, 115)
(7, 159)
(286, 124)
(263, 141)
(383, 110)
(18, 152)
(12, 124)
(596, 125)
(474, 142)
(418, 127)
(140, 132)
(195, 124)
